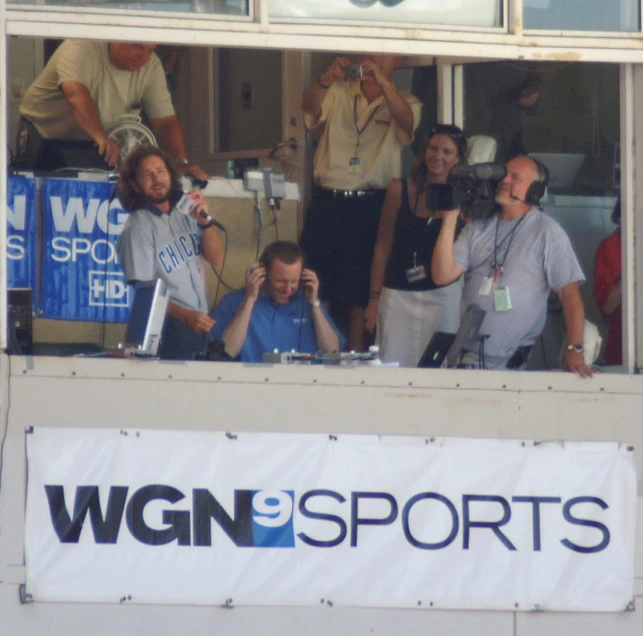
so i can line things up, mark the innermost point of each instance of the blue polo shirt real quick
(282, 327)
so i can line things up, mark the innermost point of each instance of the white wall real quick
(235, 397)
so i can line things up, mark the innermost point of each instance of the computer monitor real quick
(562, 166)
(147, 317)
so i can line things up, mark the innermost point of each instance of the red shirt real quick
(607, 272)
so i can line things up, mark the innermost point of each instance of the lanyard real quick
(368, 121)
(498, 268)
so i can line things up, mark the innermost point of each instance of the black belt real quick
(329, 193)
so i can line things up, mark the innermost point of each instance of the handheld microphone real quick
(184, 206)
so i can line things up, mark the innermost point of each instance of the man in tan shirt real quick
(83, 90)
(367, 122)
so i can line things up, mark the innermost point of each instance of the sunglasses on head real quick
(447, 129)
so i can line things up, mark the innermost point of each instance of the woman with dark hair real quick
(607, 289)
(405, 303)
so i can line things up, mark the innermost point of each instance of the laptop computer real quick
(436, 351)
(445, 349)
(146, 320)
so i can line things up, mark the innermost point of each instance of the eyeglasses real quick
(446, 129)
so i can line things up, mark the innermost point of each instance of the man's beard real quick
(159, 198)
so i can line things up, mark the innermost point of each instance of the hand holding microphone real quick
(194, 204)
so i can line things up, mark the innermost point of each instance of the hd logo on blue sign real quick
(108, 289)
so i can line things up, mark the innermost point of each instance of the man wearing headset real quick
(511, 262)
(279, 308)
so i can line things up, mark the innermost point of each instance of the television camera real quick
(470, 188)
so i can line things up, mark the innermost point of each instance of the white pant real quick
(406, 321)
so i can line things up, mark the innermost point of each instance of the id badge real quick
(354, 166)
(486, 286)
(501, 299)
(414, 274)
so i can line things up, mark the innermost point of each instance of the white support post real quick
(445, 93)
(631, 97)
(4, 126)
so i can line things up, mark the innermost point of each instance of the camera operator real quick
(511, 262)
(366, 122)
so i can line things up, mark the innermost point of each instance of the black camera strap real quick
(363, 128)
(498, 268)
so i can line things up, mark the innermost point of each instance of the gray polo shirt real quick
(540, 259)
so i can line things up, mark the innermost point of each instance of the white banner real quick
(215, 518)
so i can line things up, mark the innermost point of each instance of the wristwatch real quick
(320, 83)
(316, 303)
(578, 348)
(184, 161)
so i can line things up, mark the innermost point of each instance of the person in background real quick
(279, 309)
(366, 123)
(608, 291)
(159, 241)
(406, 306)
(508, 112)
(86, 86)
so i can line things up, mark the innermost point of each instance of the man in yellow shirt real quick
(367, 122)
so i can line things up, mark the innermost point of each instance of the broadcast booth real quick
(142, 495)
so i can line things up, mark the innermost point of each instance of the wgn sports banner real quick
(216, 518)
(22, 242)
(81, 277)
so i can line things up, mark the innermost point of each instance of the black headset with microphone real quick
(537, 189)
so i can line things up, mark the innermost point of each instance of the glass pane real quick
(568, 117)
(226, 7)
(582, 15)
(548, 108)
(480, 13)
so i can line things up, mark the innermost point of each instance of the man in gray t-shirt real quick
(86, 86)
(158, 241)
(511, 262)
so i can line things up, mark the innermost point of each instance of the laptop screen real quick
(147, 317)
(563, 167)
(436, 351)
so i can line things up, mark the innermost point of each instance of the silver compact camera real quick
(354, 71)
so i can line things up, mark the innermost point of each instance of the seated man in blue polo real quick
(279, 308)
